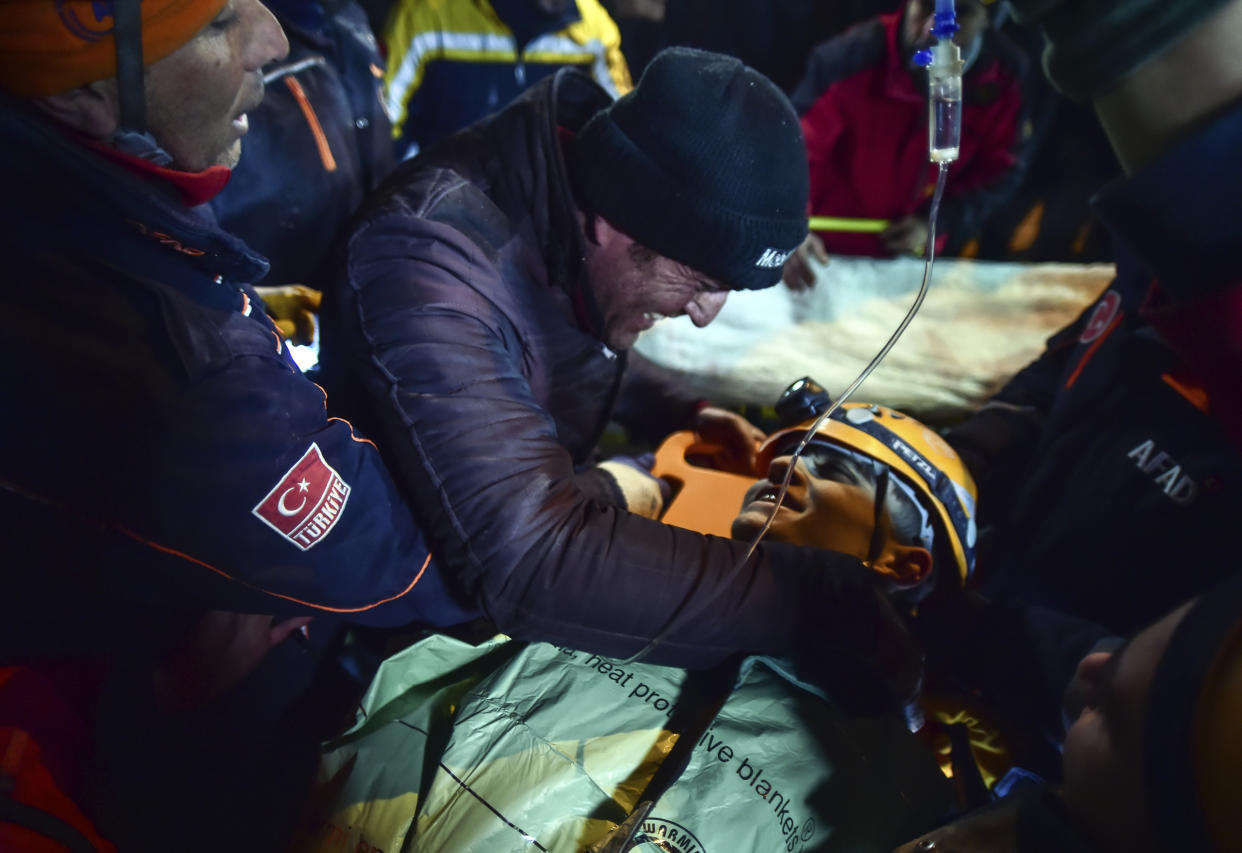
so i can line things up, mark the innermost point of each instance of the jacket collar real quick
(527, 22)
(898, 82)
(1178, 215)
(99, 204)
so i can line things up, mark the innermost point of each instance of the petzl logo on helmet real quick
(99, 24)
(307, 502)
(773, 258)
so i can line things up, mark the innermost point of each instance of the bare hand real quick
(906, 236)
(798, 274)
(737, 437)
(293, 307)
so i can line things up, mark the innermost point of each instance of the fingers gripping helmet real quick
(914, 452)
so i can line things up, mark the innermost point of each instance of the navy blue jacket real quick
(160, 448)
(1108, 469)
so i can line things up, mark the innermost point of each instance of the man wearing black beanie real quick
(488, 297)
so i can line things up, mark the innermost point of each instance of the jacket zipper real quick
(316, 129)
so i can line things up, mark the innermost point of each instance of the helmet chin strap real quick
(132, 136)
(127, 33)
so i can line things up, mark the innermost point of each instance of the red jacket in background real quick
(865, 121)
(45, 747)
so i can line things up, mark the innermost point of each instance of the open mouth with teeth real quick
(768, 494)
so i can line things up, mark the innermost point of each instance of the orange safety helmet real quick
(913, 451)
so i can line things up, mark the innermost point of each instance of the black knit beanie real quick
(1092, 44)
(703, 162)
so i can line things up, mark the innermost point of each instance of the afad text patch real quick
(307, 502)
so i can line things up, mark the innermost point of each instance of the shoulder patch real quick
(1105, 311)
(307, 502)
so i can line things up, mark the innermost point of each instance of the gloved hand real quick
(738, 438)
(906, 236)
(293, 307)
(644, 493)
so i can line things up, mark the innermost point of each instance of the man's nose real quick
(780, 465)
(704, 307)
(268, 42)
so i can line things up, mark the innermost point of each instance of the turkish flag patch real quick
(307, 502)
(1101, 317)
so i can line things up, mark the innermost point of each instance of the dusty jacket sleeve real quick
(299, 507)
(504, 508)
(229, 488)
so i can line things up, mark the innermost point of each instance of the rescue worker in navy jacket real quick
(1108, 469)
(167, 443)
(174, 499)
(490, 293)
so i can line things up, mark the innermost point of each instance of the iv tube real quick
(738, 567)
(862, 377)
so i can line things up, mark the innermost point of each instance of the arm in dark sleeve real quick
(288, 503)
(238, 494)
(504, 508)
(1004, 432)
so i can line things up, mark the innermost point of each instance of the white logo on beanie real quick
(773, 258)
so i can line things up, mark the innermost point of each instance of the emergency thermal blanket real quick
(980, 324)
(508, 747)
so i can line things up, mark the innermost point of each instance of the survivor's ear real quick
(907, 565)
(92, 109)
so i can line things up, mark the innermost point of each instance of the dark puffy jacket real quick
(464, 310)
(162, 451)
(318, 143)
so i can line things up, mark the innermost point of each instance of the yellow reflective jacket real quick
(451, 62)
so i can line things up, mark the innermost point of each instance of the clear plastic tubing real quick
(709, 599)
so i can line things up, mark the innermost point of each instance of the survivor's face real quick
(198, 96)
(830, 503)
(972, 19)
(1103, 753)
(634, 287)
